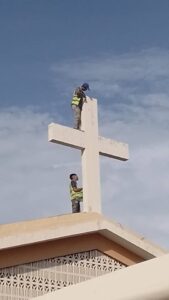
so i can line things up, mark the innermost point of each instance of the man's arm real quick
(79, 93)
(75, 188)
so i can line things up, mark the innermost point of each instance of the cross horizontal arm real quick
(67, 136)
(114, 149)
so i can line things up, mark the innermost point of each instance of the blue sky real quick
(36, 34)
(121, 48)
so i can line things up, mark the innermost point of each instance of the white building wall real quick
(37, 278)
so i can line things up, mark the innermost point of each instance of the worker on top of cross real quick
(78, 100)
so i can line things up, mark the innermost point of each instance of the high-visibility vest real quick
(75, 195)
(75, 100)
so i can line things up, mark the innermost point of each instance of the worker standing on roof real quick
(78, 99)
(76, 194)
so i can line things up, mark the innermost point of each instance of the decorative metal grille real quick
(37, 278)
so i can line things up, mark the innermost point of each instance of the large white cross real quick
(91, 145)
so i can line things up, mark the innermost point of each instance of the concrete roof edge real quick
(35, 231)
(130, 240)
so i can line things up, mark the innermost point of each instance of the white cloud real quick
(137, 191)
(146, 64)
(110, 75)
(31, 185)
(34, 173)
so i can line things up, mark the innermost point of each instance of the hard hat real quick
(85, 86)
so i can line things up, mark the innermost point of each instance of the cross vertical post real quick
(90, 159)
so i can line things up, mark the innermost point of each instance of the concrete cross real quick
(91, 145)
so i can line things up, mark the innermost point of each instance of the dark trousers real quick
(75, 206)
(77, 116)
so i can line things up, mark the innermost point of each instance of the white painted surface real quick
(113, 149)
(90, 159)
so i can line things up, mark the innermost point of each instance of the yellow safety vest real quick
(75, 195)
(75, 100)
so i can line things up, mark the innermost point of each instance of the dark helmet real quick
(85, 86)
